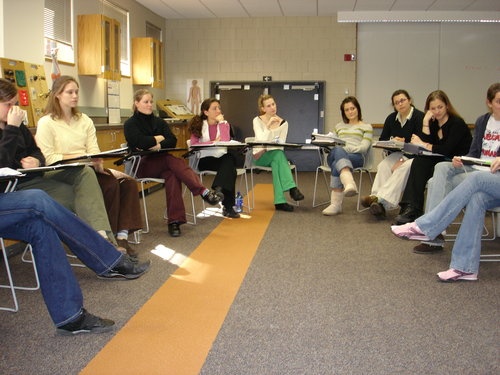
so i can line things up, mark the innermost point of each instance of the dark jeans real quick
(32, 216)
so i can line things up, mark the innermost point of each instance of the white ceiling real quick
(179, 9)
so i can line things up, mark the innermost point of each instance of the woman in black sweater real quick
(444, 132)
(145, 131)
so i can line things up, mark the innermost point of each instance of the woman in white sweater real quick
(269, 127)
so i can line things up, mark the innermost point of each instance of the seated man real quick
(32, 216)
(448, 175)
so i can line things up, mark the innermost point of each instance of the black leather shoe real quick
(174, 229)
(377, 210)
(230, 213)
(407, 215)
(213, 197)
(126, 269)
(427, 249)
(86, 323)
(284, 207)
(296, 195)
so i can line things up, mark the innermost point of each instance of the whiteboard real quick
(461, 59)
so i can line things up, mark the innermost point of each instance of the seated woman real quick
(208, 127)
(145, 131)
(444, 132)
(479, 192)
(65, 133)
(76, 189)
(358, 138)
(269, 127)
(393, 171)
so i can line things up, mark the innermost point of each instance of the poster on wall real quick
(194, 94)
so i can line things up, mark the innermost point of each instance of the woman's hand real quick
(15, 116)
(274, 122)
(429, 116)
(220, 118)
(30, 162)
(495, 165)
(398, 139)
(159, 138)
(416, 140)
(156, 147)
(457, 162)
(98, 165)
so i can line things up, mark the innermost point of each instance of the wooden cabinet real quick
(99, 46)
(147, 62)
(110, 139)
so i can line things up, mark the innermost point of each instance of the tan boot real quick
(347, 180)
(335, 206)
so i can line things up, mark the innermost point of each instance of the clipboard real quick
(174, 109)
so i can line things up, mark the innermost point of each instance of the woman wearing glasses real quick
(393, 171)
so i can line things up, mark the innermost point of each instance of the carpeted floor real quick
(322, 295)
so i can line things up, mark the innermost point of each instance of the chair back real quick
(131, 165)
(368, 159)
(249, 160)
(193, 158)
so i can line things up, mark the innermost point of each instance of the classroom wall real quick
(462, 59)
(239, 49)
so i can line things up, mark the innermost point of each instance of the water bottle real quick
(238, 202)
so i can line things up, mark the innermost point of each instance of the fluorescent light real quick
(425, 16)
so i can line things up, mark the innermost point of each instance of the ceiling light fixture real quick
(426, 16)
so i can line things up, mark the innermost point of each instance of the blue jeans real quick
(32, 216)
(338, 159)
(444, 179)
(479, 192)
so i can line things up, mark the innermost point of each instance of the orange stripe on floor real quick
(174, 331)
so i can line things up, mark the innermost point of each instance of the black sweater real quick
(140, 130)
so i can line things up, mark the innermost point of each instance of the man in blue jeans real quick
(32, 216)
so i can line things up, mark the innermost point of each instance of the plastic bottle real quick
(238, 202)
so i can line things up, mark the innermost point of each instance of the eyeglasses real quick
(400, 101)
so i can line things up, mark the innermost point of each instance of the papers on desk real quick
(410, 148)
(9, 172)
(219, 144)
(479, 164)
(475, 161)
(52, 167)
(391, 145)
(326, 138)
(274, 144)
(115, 153)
